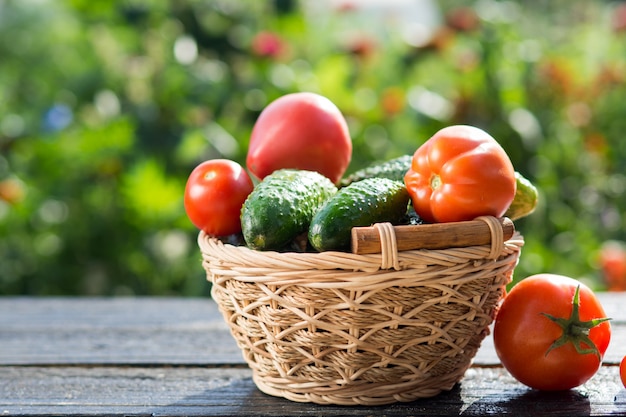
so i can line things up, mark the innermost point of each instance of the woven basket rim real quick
(331, 260)
(240, 263)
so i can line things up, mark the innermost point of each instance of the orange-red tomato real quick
(460, 173)
(622, 371)
(301, 131)
(215, 192)
(612, 261)
(551, 333)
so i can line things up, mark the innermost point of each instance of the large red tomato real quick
(215, 192)
(302, 131)
(551, 332)
(460, 173)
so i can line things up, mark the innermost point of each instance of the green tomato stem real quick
(576, 331)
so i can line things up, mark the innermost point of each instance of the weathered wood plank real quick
(231, 392)
(114, 330)
(171, 331)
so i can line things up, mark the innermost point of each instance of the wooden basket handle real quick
(433, 236)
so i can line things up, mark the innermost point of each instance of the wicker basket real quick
(340, 328)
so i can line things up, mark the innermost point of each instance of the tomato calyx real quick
(435, 181)
(576, 331)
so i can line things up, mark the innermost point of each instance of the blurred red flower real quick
(12, 190)
(362, 46)
(268, 44)
(393, 100)
(619, 18)
(463, 19)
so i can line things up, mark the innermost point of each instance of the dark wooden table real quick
(173, 356)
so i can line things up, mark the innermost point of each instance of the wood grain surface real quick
(172, 356)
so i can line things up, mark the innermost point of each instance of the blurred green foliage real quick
(106, 107)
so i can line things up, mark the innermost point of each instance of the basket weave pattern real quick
(341, 328)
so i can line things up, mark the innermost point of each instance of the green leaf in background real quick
(150, 196)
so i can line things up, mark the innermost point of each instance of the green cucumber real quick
(394, 169)
(281, 207)
(525, 200)
(362, 203)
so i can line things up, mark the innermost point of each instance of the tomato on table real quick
(551, 332)
(460, 173)
(214, 194)
(300, 131)
(622, 371)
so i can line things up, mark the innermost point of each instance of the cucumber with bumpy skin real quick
(394, 169)
(362, 203)
(281, 207)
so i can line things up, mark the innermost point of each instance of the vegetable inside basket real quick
(375, 328)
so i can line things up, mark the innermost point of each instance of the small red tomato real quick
(551, 332)
(214, 194)
(622, 371)
(300, 131)
(460, 173)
